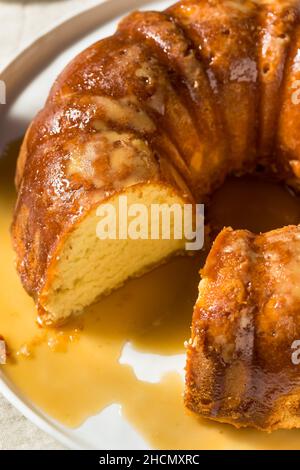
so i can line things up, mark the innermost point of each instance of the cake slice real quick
(241, 366)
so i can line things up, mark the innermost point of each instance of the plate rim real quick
(38, 418)
(7, 71)
(63, 27)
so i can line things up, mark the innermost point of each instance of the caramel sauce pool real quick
(74, 373)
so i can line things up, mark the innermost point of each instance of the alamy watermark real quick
(295, 358)
(2, 92)
(139, 221)
(296, 93)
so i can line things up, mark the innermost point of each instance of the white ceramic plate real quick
(28, 78)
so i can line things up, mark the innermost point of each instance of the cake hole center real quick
(253, 203)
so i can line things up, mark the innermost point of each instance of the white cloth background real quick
(20, 22)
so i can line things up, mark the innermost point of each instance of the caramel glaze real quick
(202, 90)
(63, 371)
(246, 319)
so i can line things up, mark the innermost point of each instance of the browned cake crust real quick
(202, 84)
(189, 95)
(246, 319)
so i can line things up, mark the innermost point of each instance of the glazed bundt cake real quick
(162, 112)
(240, 367)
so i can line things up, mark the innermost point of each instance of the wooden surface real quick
(21, 22)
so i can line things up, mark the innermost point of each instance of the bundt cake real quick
(240, 367)
(162, 112)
